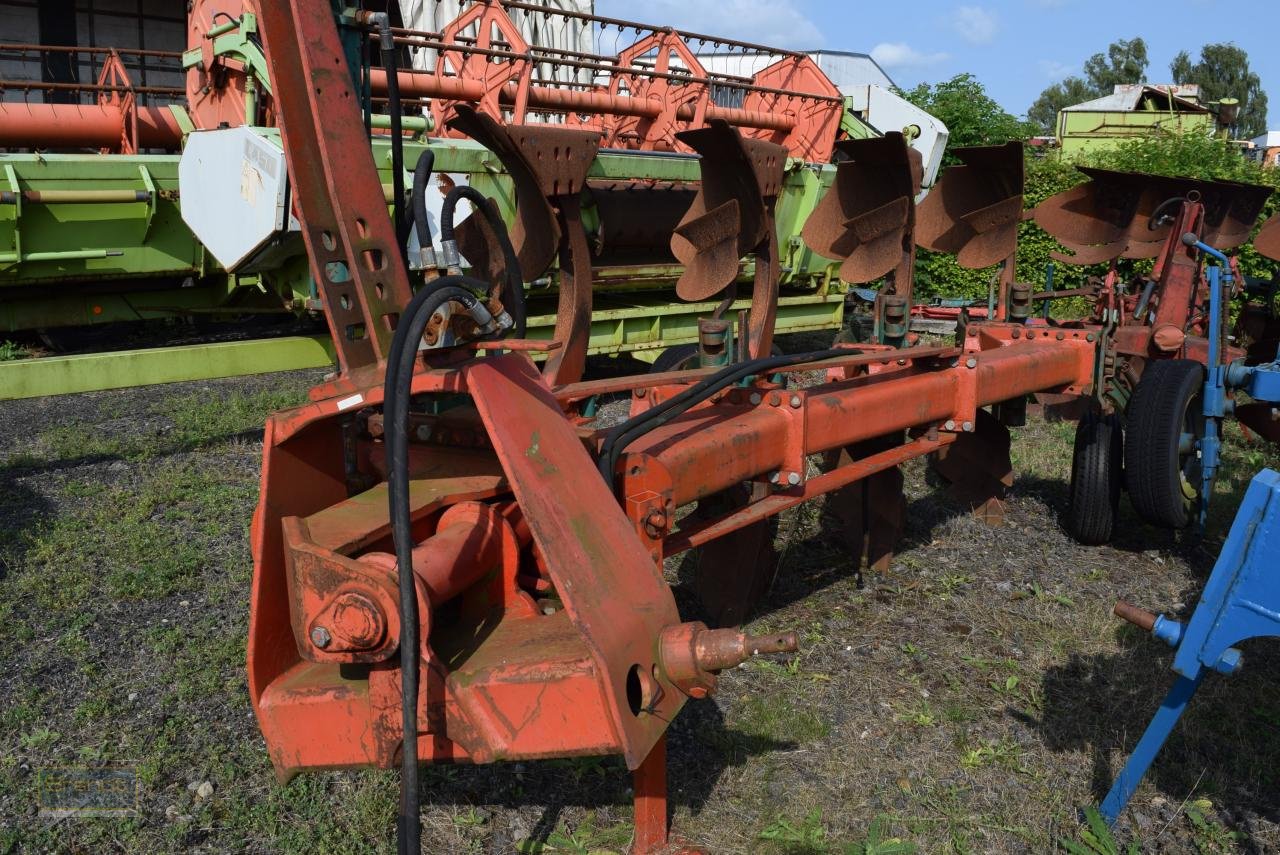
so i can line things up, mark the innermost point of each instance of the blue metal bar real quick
(1162, 724)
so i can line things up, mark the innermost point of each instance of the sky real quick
(1014, 47)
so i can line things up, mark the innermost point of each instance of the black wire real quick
(633, 428)
(515, 301)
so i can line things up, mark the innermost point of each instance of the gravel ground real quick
(971, 699)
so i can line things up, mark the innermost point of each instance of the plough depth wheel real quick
(1162, 463)
(1095, 479)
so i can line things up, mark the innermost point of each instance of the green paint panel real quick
(63, 375)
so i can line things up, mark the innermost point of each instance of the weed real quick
(1004, 753)
(921, 716)
(808, 835)
(11, 351)
(585, 839)
(41, 737)
(1096, 838)
(1209, 836)
(877, 841)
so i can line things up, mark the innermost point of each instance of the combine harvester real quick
(237, 251)
(454, 562)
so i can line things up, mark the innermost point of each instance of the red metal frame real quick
(548, 627)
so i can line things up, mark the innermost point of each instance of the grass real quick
(971, 700)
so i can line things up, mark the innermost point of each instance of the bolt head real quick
(971, 362)
(950, 425)
(775, 477)
(775, 399)
(968, 427)
(793, 479)
(755, 398)
(320, 637)
(795, 401)
(424, 432)
(641, 393)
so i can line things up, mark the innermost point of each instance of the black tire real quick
(676, 358)
(1094, 501)
(1162, 472)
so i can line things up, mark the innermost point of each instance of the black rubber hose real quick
(630, 430)
(397, 136)
(396, 395)
(514, 296)
(421, 178)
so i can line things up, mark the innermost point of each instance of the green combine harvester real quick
(93, 239)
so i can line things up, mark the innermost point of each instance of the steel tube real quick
(25, 125)
(424, 84)
(710, 450)
(76, 197)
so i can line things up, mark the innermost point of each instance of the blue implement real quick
(1240, 601)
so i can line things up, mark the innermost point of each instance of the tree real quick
(1124, 62)
(1223, 72)
(1044, 112)
(972, 117)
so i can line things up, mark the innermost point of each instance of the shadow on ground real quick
(1226, 747)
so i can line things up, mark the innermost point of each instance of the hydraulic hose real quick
(421, 178)
(514, 296)
(396, 395)
(632, 429)
(388, 46)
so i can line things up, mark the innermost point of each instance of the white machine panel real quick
(234, 189)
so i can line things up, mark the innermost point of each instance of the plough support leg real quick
(1153, 739)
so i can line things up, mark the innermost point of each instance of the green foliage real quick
(10, 351)
(1223, 72)
(586, 839)
(809, 837)
(1096, 838)
(1043, 112)
(878, 843)
(970, 114)
(1124, 62)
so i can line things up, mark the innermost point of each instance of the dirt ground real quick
(971, 699)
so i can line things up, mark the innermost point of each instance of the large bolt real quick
(320, 637)
(775, 399)
(795, 401)
(655, 523)
(971, 362)
(755, 398)
(950, 425)
(968, 427)
(793, 479)
(775, 477)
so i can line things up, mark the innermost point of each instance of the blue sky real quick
(1015, 47)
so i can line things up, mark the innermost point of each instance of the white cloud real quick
(901, 55)
(975, 24)
(777, 23)
(1055, 70)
